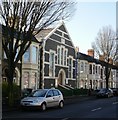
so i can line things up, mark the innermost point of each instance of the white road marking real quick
(96, 109)
(115, 103)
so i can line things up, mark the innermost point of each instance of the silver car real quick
(44, 98)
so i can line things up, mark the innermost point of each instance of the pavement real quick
(74, 99)
(67, 100)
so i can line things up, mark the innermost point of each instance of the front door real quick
(60, 78)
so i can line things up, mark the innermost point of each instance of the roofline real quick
(88, 58)
(60, 23)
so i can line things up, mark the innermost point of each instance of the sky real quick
(88, 19)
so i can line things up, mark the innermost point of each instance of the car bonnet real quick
(33, 98)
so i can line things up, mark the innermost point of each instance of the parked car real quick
(94, 92)
(104, 92)
(43, 98)
(115, 91)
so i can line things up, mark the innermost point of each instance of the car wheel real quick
(61, 104)
(43, 106)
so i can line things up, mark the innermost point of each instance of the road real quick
(96, 108)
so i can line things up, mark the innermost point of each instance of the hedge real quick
(16, 92)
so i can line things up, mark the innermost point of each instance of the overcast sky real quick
(88, 19)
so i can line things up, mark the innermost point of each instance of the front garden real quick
(17, 94)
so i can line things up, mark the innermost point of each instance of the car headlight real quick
(35, 101)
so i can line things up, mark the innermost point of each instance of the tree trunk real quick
(107, 79)
(10, 94)
(11, 71)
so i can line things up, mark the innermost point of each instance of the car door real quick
(56, 97)
(50, 99)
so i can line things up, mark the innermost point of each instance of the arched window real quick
(70, 70)
(52, 64)
(62, 57)
(58, 55)
(65, 57)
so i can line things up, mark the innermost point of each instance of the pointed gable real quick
(59, 34)
(63, 33)
(62, 28)
(43, 33)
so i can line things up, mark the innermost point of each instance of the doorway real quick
(61, 77)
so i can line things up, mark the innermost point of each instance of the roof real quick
(46, 33)
(88, 58)
(43, 33)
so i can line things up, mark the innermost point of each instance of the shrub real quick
(16, 92)
(73, 92)
(4, 89)
(67, 92)
(80, 91)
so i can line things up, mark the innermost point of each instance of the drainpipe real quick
(41, 64)
(77, 69)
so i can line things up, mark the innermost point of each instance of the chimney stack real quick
(101, 57)
(91, 52)
(77, 49)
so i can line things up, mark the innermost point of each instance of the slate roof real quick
(46, 33)
(88, 58)
(43, 33)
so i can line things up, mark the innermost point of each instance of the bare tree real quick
(19, 21)
(105, 45)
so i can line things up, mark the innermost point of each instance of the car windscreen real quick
(38, 93)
